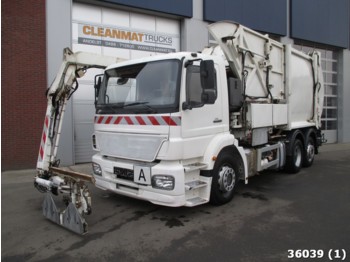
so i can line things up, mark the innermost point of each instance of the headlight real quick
(163, 182)
(96, 168)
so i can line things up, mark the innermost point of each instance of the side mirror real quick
(97, 86)
(207, 73)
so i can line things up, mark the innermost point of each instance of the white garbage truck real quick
(182, 129)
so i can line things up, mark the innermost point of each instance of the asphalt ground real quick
(274, 217)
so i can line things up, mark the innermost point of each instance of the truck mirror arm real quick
(97, 86)
(187, 106)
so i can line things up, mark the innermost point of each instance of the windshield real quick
(141, 88)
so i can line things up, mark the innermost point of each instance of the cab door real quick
(202, 111)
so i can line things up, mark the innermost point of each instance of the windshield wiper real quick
(151, 109)
(135, 104)
(109, 107)
(115, 108)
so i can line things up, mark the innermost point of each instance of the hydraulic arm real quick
(50, 178)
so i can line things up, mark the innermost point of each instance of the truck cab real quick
(160, 123)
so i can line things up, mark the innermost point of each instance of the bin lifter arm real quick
(49, 177)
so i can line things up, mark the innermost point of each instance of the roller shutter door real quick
(117, 33)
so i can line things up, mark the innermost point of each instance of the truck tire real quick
(309, 152)
(295, 160)
(225, 177)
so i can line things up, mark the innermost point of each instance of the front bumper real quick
(109, 180)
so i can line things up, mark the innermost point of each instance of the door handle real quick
(217, 120)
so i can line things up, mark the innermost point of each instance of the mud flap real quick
(70, 218)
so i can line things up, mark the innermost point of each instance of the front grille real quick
(124, 173)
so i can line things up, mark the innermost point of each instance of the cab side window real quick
(194, 90)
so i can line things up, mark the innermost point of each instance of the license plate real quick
(142, 175)
(123, 173)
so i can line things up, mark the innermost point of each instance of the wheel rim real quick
(227, 178)
(297, 156)
(310, 151)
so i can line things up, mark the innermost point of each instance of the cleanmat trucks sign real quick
(126, 39)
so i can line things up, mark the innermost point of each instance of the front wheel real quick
(225, 178)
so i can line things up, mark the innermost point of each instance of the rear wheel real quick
(295, 160)
(225, 178)
(309, 152)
